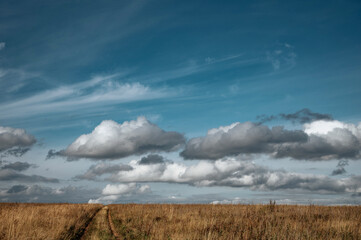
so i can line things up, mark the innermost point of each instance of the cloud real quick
(17, 189)
(15, 151)
(294, 199)
(327, 140)
(102, 168)
(15, 140)
(95, 92)
(112, 192)
(302, 116)
(231, 172)
(11, 175)
(151, 159)
(2, 45)
(17, 166)
(38, 193)
(52, 153)
(124, 189)
(282, 57)
(338, 171)
(111, 140)
(340, 168)
(305, 115)
(209, 60)
(14, 79)
(319, 140)
(239, 138)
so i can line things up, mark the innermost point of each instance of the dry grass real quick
(44, 221)
(172, 221)
(99, 228)
(162, 221)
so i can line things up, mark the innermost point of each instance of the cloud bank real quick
(231, 172)
(111, 140)
(240, 138)
(319, 140)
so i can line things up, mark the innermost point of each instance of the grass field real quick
(172, 221)
(44, 221)
(236, 221)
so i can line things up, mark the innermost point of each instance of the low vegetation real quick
(163, 221)
(173, 221)
(99, 228)
(44, 221)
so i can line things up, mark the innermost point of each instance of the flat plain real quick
(44, 221)
(178, 221)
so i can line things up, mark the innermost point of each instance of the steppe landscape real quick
(178, 221)
(180, 120)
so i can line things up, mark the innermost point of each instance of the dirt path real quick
(101, 227)
(112, 228)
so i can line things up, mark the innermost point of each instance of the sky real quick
(180, 101)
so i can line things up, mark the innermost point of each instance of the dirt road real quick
(101, 227)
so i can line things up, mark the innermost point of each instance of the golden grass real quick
(44, 221)
(99, 228)
(172, 221)
(163, 221)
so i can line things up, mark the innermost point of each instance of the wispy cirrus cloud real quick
(194, 67)
(283, 56)
(14, 79)
(96, 92)
(103, 90)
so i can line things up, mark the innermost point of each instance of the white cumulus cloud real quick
(113, 192)
(111, 140)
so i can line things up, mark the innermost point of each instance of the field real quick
(172, 221)
(44, 221)
(236, 221)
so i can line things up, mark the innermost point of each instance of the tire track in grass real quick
(82, 230)
(100, 227)
(112, 227)
(86, 229)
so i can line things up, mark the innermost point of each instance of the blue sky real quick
(187, 67)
